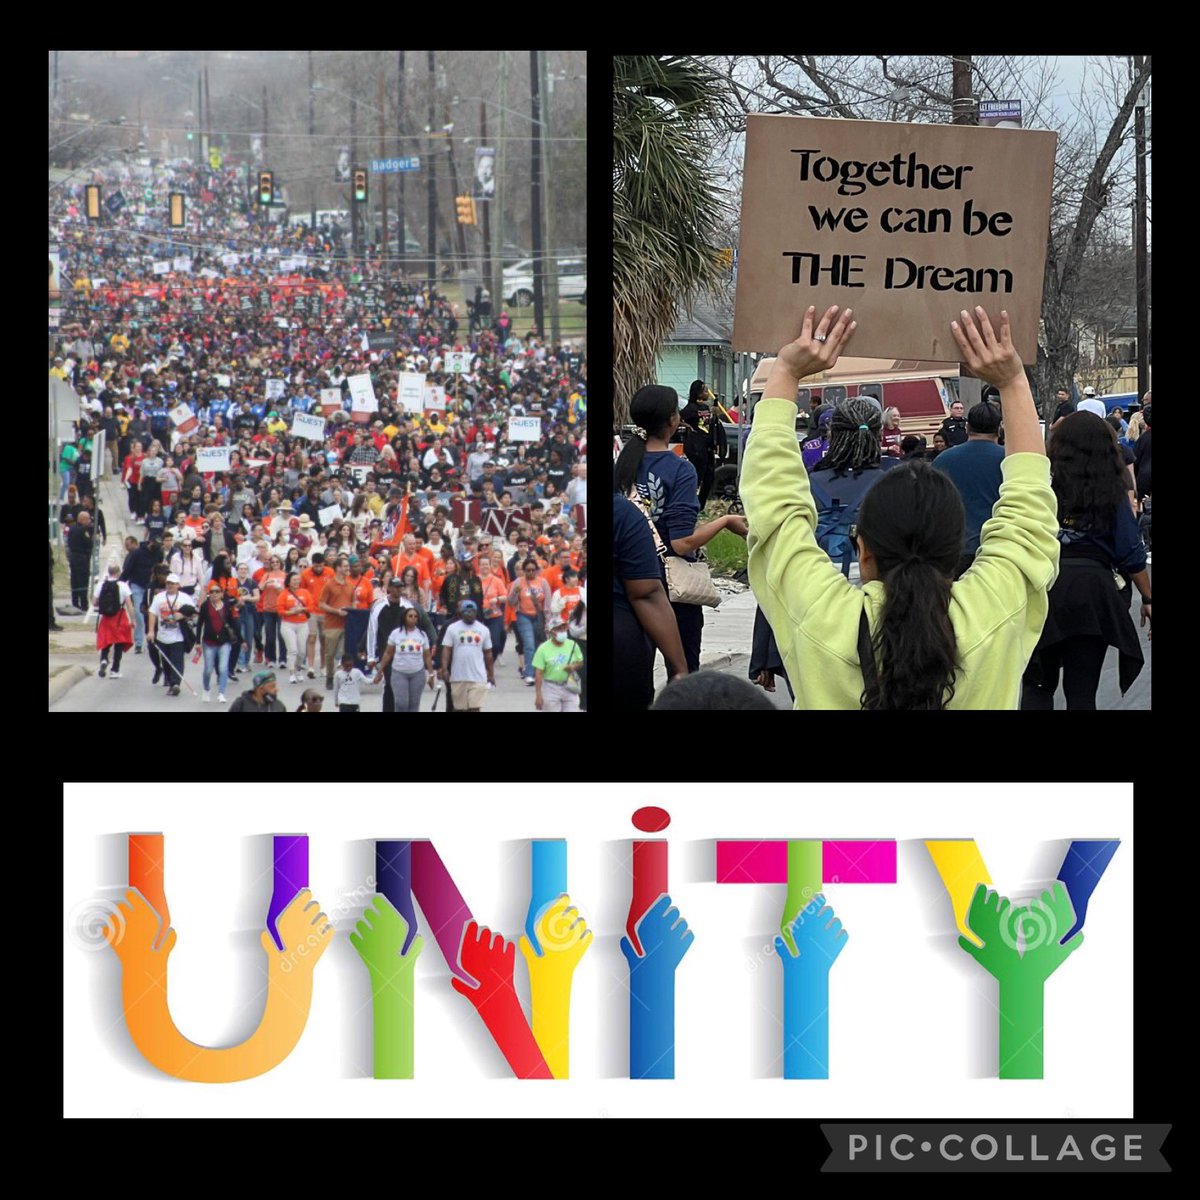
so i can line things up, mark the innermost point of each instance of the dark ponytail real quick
(650, 409)
(912, 522)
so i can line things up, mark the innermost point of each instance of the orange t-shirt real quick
(417, 559)
(494, 594)
(229, 586)
(314, 584)
(336, 595)
(364, 593)
(271, 584)
(570, 598)
(553, 576)
(294, 606)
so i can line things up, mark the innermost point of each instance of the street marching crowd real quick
(330, 473)
(994, 564)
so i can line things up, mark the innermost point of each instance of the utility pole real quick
(461, 238)
(431, 215)
(498, 203)
(1143, 310)
(199, 151)
(962, 106)
(486, 205)
(312, 129)
(535, 193)
(354, 219)
(207, 114)
(547, 222)
(266, 157)
(383, 154)
(400, 217)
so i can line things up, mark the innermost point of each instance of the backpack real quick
(837, 518)
(110, 599)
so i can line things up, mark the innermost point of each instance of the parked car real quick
(572, 281)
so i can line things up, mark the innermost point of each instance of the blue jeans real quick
(139, 629)
(217, 656)
(527, 627)
(496, 629)
(64, 478)
(272, 642)
(248, 620)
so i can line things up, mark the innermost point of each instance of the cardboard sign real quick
(524, 429)
(183, 418)
(362, 394)
(331, 401)
(458, 362)
(306, 426)
(181, 264)
(328, 515)
(275, 389)
(411, 391)
(906, 224)
(212, 458)
(434, 399)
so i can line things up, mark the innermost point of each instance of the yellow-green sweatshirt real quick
(997, 608)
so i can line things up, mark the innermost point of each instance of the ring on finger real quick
(820, 337)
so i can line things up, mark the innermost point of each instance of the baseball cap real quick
(465, 556)
(172, 578)
(261, 677)
(1089, 391)
(468, 604)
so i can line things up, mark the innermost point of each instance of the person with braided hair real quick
(912, 636)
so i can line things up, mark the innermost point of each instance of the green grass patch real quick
(726, 553)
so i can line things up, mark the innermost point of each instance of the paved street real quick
(727, 638)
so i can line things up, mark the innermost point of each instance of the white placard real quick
(230, 260)
(275, 389)
(183, 418)
(362, 394)
(97, 284)
(434, 397)
(257, 462)
(328, 515)
(524, 429)
(181, 264)
(162, 268)
(331, 400)
(224, 380)
(412, 387)
(212, 458)
(306, 426)
(209, 273)
(458, 362)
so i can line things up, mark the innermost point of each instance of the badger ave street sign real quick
(906, 224)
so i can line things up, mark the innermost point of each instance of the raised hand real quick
(664, 936)
(1022, 949)
(305, 931)
(564, 938)
(490, 960)
(993, 359)
(819, 939)
(1021, 942)
(379, 939)
(816, 349)
(665, 939)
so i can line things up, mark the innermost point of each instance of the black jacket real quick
(246, 703)
(954, 430)
(204, 625)
(140, 564)
(79, 540)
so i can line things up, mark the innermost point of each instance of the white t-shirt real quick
(409, 653)
(467, 644)
(166, 609)
(122, 587)
(345, 685)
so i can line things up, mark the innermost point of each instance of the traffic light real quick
(360, 185)
(176, 210)
(93, 202)
(266, 187)
(466, 210)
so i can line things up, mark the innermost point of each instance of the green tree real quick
(666, 209)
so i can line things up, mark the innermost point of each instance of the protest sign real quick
(257, 462)
(524, 429)
(412, 387)
(362, 394)
(183, 418)
(275, 389)
(162, 268)
(458, 362)
(306, 426)
(434, 398)
(181, 264)
(331, 401)
(212, 458)
(328, 515)
(906, 224)
(224, 380)
(97, 284)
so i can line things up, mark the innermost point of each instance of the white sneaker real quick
(114, 674)
(530, 682)
(270, 666)
(293, 679)
(311, 674)
(205, 697)
(221, 697)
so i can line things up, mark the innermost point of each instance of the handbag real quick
(574, 684)
(687, 582)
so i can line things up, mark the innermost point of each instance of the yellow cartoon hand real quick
(305, 932)
(133, 929)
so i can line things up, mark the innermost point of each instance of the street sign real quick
(392, 166)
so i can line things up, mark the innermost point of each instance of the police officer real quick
(954, 427)
(79, 557)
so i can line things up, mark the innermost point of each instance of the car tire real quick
(724, 485)
(522, 297)
(583, 299)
